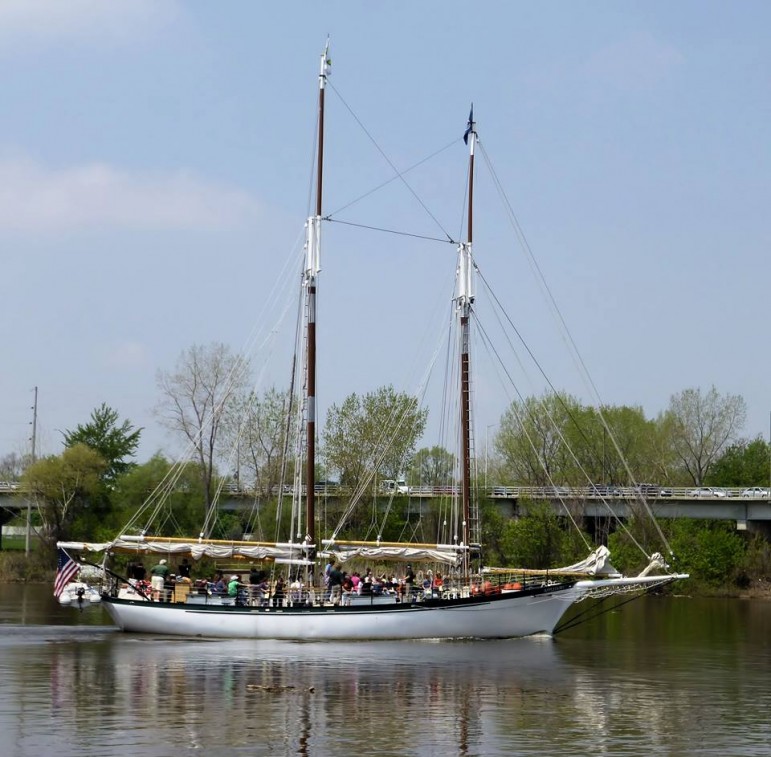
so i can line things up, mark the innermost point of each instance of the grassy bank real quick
(16, 567)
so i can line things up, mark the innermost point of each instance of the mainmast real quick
(464, 301)
(312, 268)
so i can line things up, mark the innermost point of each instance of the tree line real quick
(89, 490)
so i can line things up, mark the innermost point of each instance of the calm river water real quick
(657, 677)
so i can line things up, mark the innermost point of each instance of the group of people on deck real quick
(162, 580)
(339, 586)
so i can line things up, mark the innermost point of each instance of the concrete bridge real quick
(590, 503)
(748, 513)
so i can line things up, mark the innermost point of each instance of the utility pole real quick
(29, 497)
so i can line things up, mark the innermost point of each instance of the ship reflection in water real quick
(286, 698)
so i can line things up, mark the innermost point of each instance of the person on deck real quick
(278, 592)
(158, 573)
(183, 569)
(263, 590)
(327, 570)
(347, 588)
(218, 585)
(365, 587)
(409, 582)
(255, 579)
(335, 584)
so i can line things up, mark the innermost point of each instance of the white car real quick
(755, 491)
(706, 491)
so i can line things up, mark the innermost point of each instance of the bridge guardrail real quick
(650, 491)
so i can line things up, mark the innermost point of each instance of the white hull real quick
(499, 616)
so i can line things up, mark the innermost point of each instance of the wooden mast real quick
(313, 243)
(465, 300)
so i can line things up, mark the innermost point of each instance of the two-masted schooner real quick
(466, 606)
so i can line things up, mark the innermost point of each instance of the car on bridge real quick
(755, 491)
(604, 490)
(706, 491)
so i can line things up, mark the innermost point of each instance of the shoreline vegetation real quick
(17, 568)
(721, 560)
(90, 491)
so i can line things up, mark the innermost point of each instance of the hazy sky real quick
(155, 158)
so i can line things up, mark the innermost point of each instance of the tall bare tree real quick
(12, 466)
(196, 398)
(258, 432)
(701, 426)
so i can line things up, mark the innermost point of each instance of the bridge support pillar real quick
(755, 527)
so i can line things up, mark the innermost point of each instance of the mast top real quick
(465, 273)
(325, 66)
(470, 130)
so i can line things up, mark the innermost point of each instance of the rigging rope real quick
(592, 612)
(399, 174)
(555, 425)
(390, 231)
(567, 335)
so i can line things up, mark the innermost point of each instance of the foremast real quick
(310, 275)
(464, 301)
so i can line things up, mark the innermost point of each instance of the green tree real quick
(612, 443)
(431, 466)
(744, 463)
(531, 440)
(113, 442)
(373, 433)
(536, 540)
(700, 426)
(494, 525)
(182, 511)
(64, 487)
(712, 552)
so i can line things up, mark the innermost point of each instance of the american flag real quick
(66, 570)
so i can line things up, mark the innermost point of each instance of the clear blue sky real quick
(154, 169)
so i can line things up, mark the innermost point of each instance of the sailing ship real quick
(469, 604)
